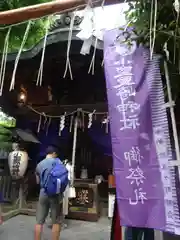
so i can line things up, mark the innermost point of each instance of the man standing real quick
(46, 201)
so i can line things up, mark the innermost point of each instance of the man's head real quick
(51, 152)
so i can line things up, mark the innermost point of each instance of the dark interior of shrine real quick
(85, 91)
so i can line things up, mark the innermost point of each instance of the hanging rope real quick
(177, 9)
(4, 60)
(18, 55)
(74, 150)
(40, 72)
(39, 124)
(68, 64)
(47, 128)
(153, 28)
(69, 114)
(150, 27)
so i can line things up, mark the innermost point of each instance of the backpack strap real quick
(42, 178)
(48, 174)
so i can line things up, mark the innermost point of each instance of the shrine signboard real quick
(85, 206)
(145, 184)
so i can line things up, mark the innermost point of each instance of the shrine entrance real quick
(52, 119)
(73, 98)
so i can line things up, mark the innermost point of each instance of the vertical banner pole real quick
(74, 149)
(173, 120)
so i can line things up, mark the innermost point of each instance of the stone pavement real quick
(22, 228)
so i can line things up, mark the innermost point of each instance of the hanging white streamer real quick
(40, 72)
(45, 120)
(62, 122)
(90, 116)
(68, 64)
(153, 39)
(47, 128)
(150, 27)
(86, 25)
(4, 61)
(19, 54)
(92, 64)
(102, 63)
(39, 124)
(165, 48)
(177, 6)
(71, 123)
(86, 46)
(59, 127)
(107, 125)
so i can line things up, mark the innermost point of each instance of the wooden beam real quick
(40, 10)
(36, 11)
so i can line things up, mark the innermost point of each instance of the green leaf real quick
(36, 32)
(167, 30)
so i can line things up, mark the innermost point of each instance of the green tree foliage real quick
(36, 32)
(167, 32)
(6, 134)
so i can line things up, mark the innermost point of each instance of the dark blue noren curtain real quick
(54, 139)
(101, 139)
(97, 133)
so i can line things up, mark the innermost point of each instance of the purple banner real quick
(146, 193)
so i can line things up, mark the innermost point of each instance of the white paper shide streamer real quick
(92, 64)
(107, 125)
(152, 29)
(40, 73)
(4, 61)
(177, 6)
(86, 30)
(86, 47)
(106, 122)
(71, 123)
(18, 56)
(39, 124)
(68, 64)
(90, 116)
(165, 48)
(45, 120)
(62, 123)
(48, 124)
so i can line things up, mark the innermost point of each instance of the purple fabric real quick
(134, 91)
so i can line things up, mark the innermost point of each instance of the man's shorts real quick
(54, 204)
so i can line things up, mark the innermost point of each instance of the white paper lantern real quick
(18, 162)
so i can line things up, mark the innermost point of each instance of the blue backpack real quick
(55, 180)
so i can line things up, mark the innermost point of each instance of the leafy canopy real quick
(167, 31)
(36, 32)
